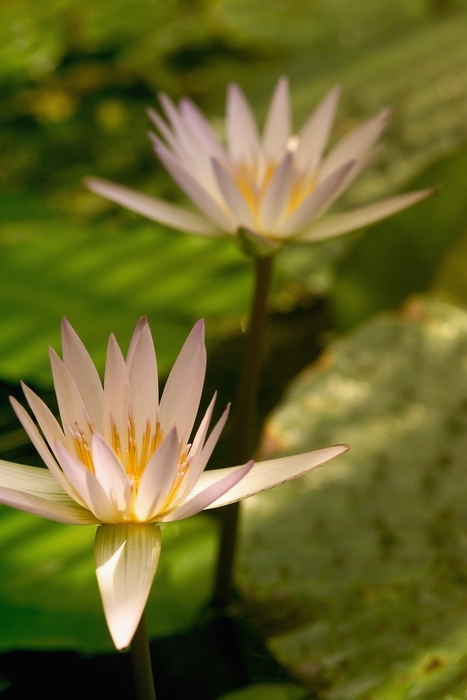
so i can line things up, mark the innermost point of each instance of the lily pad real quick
(366, 558)
(267, 691)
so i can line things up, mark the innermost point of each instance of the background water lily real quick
(122, 459)
(268, 190)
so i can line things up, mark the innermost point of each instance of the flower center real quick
(253, 182)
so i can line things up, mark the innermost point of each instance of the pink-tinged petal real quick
(158, 478)
(278, 123)
(88, 487)
(152, 208)
(43, 450)
(126, 558)
(111, 476)
(44, 416)
(143, 321)
(233, 197)
(33, 480)
(210, 495)
(201, 457)
(116, 394)
(182, 393)
(266, 475)
(315, 133)
(201, 129)
(242, 132)
(314, 203)
(70, 513)
(70, 404)
(195, 191)
(83, 372)
(277, 195)
(144, 383)
(337, 224)
(355, 145)
(164, 130)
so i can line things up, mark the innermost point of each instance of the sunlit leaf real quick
(365, 560)
(48, 589)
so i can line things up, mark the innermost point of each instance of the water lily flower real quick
(121, 458)
(267, 191)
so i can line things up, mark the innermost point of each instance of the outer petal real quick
(337, 224)
(278, 123)
(201, 129)
(144, 384)
(265, 475)
(211, 494)
(242, 132)
(83, 372)
(152, 208)
(195, 191)
(355, 145)
(180, 400)
(70, 404)
(116, 393)
(314, 134)
(67, 512)
(126, 558)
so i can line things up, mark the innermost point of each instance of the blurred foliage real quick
(357, 572)
(267, 691)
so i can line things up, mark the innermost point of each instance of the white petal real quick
(337, 224)
(265, 475)
(277, 195)
(200, 460)
(143, 321)
(201, 128)
(144, 384)
(242, 132)
(212, 493)
(83, 372)
(355, 145)
(88, 487)
(278, 123)
(315, 133)
(152, 208)
(126, 558)
(43, 450)
(314, 203)
(116, 394)
(111, 476)
(71, 514)
(70, 404)
(182, 393)
(164, 130)
(195, 191)
(233, 197)
(32, 480)
(158, 478)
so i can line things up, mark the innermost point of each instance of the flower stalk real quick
(245, 423)
(141, 661)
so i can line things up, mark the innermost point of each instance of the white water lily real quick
(265, 191)
(122, 459)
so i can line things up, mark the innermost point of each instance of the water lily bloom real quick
(122, 459)
(264, 191)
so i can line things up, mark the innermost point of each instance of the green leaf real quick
(103, 281)
(267, 691)
(48, 590)
(401, 255)
(365, 560)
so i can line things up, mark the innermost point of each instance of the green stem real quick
(141, 660)
(245, 424)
